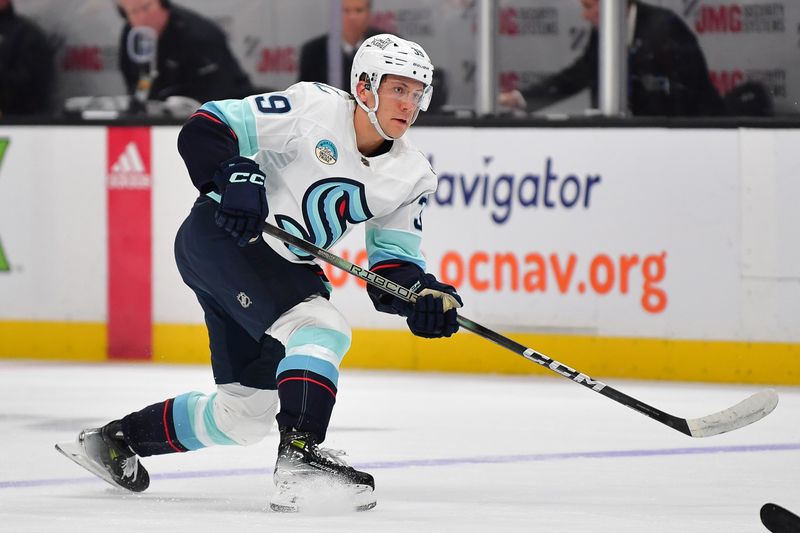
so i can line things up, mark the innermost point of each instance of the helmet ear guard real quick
(367, 82)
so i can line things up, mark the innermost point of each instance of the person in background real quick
(355, 28)
(26, 65)
(667, 71)
(193, 57)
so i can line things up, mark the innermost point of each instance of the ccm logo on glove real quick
(243, 177)
(243, 208)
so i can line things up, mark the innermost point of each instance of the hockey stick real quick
(742, 414)
(779, 520)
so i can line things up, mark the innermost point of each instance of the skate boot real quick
(308, 477)
(102, 452)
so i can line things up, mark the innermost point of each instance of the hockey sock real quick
(308, 376)
(151, 431)
(307, 400)
(178, 424)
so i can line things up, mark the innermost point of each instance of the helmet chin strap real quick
(373, 118)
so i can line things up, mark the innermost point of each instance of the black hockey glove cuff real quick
(404, 274)
(244, 208)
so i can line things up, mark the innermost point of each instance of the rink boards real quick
(651, 253)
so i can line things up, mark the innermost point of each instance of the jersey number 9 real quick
(274, 104)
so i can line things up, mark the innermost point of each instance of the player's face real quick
(591, 11)
(148, 13)
(355, 20)
(399, 101)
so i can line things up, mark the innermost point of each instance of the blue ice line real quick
(411, 463)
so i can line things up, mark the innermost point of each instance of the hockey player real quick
(313, 160)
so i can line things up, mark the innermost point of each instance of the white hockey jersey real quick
(318, 183)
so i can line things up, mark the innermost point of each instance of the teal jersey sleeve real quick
(397, 236)
(240, 119)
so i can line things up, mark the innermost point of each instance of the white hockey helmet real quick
(388, 54)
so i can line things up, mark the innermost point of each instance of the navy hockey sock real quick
(151, 431)
(307, 400)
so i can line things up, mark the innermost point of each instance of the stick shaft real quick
(530, 354)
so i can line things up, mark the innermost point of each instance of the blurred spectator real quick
(193, 57)
(666, 68)
(749, 99)
(355, 28)
(26, 65)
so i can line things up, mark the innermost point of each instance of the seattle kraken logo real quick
(328, 206)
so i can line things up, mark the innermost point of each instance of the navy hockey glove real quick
(244, 208)
(434, 315)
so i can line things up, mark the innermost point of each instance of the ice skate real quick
(309, 478)
(102, 452)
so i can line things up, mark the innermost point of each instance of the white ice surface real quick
(449, 453)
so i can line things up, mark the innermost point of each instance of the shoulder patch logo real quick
(326, 152)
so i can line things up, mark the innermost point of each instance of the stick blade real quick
(779, 520)
(742, 414)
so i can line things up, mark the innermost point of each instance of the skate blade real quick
(74, 452)
(290, 499)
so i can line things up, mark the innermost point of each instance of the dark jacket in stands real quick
(666, 69)
(193, 60)
(314, 60)
(26, 66)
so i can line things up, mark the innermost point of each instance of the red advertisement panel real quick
(128, 168)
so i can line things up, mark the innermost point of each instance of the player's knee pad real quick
(316, 336)
(244, 414)
(314, 328)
